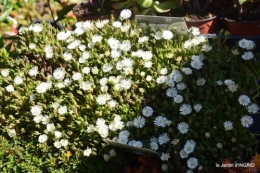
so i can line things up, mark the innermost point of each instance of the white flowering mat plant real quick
(182, 96)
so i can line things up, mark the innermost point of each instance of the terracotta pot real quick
(84, 17)
(206, 26)
(243, 28)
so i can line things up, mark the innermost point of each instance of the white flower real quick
(18, 80)
(158, 35)
(147, 111)
(43, 87)
(115, 53)
(164, 71)
(197, 64)
(181, 86)
(228, 125)
(154, 146)
(235, 52)
(86, 85)
(189, 147)
(148, 78)
(247, 121)
(117, 24)
(96, 38)
(45, 119)
(183, 154)
(187, 70)
(251, 45)
(148, 64)
(206, 48)
(194, 30)
(112, 103)
(64, 142)
(192, 163)
(67, 56)
(57, 144)
(60, 85)
(197, 107)
(95, 70)
(37, 27)
(9, 88)
(178, 98)
(74, 44)
(125, 14)
(253, 108)
(248, 56)
(106, 157)
(185, 109)
(164, 167)
(67, 82)
(77, 76)
(63, 35)
(107, 67)
(244, 100)
(5, 72)
(32, 45)
(43, 138)
(160, 121)
(243, 43)
(36, 110)
(50, 127)
(171, 92)
(167, 35)
(37, 119)
(189, 171)
(87, 152)
(12, 133)
(101, 99)
(86, 70)
(112, 153)
(62, 110)
(201, 82)
(183, 127)
(139, 122)
(232, 87)
(57, 134)
(164, 138)
(161, 79)
(165, 156)
(219, 82)
(229, 82)
(219, 145)
(48, 51)
(82, 47)
(59, 73)
(143, 39)
(126, 83)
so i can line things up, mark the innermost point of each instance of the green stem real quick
(25, 4)
(49, 6)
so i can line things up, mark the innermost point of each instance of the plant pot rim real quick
(244, 22)
(203, 20)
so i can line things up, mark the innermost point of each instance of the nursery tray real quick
(131, 148)
(168, 23)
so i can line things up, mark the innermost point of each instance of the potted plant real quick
(244, 15)
(94, 10)
(203, 14)
(148, 7)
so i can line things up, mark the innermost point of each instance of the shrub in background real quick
(174, 93)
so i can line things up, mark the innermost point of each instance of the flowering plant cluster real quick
(188, 99)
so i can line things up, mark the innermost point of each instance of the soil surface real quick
(85, 9)
(250, 12)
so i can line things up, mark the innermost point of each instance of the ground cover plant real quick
(181, 95)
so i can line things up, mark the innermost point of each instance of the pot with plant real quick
(245, 15)
(148, 7)
(94, 10)
(203, 14)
